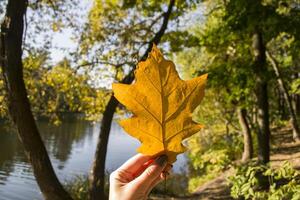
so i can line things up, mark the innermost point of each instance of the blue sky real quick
(62, 42)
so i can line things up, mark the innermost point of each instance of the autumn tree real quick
(97, 177)
(123, 32)
(119, 31)
(234, 39)
(19, 107)
(264, 21)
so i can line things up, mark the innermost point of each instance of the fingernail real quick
(161, 160)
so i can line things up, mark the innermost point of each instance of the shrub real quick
(78, 187)
(207, 161)
(248, 182)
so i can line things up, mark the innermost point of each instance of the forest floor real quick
(283, 148)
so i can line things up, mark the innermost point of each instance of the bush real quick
(78, 187)
(248, 182)
(209, 161)
(175, 185)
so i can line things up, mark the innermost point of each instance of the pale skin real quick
(135, 179)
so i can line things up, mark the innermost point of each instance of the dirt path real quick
(282, 149)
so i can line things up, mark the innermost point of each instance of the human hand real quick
(135, 179)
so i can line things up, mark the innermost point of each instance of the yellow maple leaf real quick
(162, 106)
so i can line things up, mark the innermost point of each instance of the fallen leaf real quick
(162, 106)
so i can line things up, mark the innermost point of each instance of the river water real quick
(71, 147)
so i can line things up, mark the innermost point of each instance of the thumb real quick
(151, 173)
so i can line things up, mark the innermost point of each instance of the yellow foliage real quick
(162, 105)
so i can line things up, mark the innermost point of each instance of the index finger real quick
(135, 163)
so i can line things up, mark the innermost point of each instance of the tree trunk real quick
(18, 103)
(281, 106)
(284, 90)
(297, 104)
(97, 176)
(261, 93)
(248, 145)
(296, 99)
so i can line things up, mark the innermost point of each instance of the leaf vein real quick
(152, 83)
(180, 106)
(146, 109)
(179, 132)
(149, 134)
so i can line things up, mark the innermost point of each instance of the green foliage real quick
(225, 52)
(284, 182)
(218, 144)
(224, 55)
(2, 97)
(210, 155)
(118, 32)
(78, 187)
(57, 89)
(295, 86)
(71, 92)
(174, 185)
(208, 166)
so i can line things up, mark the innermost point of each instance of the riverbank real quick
(71, 147)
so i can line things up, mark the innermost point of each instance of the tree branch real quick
(97, 176)
(287, 97)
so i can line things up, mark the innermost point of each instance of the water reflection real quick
(60, 139)
(71, 147)
(9, 153)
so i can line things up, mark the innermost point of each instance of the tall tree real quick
(263, 21)
(261, 92)
(19, 108)
(287, 97)
(230, 32)
(248, 143)
(97, 176)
